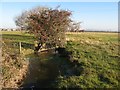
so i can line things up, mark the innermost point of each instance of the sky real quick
(93, 15)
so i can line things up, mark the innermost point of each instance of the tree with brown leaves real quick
(48, 25)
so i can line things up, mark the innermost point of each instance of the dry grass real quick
(14, 68)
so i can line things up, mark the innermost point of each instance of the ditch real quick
(42, 71)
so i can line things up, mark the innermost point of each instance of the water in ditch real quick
(42, 71)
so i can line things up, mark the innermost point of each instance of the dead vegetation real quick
(14, 68)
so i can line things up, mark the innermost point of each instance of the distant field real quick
(18, 36)
(25, 37)
(100, 36)
(97, 52)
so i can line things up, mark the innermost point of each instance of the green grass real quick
(18, 36)
(98, 55)
(96, 52)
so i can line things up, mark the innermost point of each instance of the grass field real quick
(96, 52)
(18, 36)
(98, 55)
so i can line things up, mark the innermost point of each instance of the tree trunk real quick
(37, 48)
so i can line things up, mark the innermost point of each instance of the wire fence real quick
(15, 47)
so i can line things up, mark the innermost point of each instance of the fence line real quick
(16, 47)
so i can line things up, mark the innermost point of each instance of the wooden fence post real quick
(20, 41)
(20, 46)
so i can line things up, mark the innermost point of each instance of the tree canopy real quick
(48, 25)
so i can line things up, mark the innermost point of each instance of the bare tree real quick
(74, 27)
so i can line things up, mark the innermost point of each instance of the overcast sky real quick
(93, 15)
